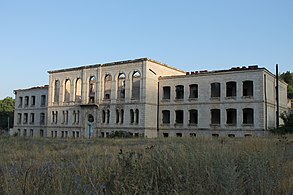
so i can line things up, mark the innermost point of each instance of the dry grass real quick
(157, 166)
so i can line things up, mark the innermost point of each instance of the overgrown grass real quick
(155, 166)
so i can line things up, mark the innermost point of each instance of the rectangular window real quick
(19, 118)
(231, 89)
(26, 101)
(41, 133)
(248, 116)
(179, 92)
(42, 119)
(20, 102)
(231, 116)
(179, 116)
(215, 90)
(248, 88)
(25, 117)
(33, 100)
(166, 116)
(32, 118)
(215, 116)
(193, 117)
(193, 90)
(43, 100)
(32, 133)
(166, 93)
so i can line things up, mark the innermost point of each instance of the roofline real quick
(113, 63)
(32, 88)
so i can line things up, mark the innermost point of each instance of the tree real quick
(6, 111)
(287, 127)
(288, 78)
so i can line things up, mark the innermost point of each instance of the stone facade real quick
(150, 99)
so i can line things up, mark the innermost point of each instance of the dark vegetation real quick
(6, 111)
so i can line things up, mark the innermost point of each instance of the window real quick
(32, 133)
(179, 116)
(215, 117)
(231, 89)
(136, 116)
(166, 116)
(103, 116)
(165, 134)
(78, 90)
(193, 117)
(193, 89)
(43, 100)
(108, 116)
(121, 86)
(32, 118)
(215, 90)
(41, 133)
(54, 117)
(20, 101)
(67, 91)
(117, 116)
(166, 92)
(231, 117)
(24, 133)
(56, 91)
(33, 100)
(25, 117)
(122, 116)
(178, 134)
(42, 119)
(19, 118)
(26, 101)
(107, 86)
(92, 89)
(179, 92)
(131, 116)
(248, 88)
(136, 85)
(248, 116)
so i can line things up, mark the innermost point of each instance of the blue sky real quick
(37, 36)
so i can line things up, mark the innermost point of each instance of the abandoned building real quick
(150, 99)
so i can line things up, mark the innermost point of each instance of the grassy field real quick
(154, 166)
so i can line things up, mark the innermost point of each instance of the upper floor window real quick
(248, 88)
(67, 90)
(248, 116)
(33, 100)
(193, 89)
(166, 92)
(179, 116)
(231, 89)
(121, 86)
(42, 119)
(215, 90)
(193, 117)
(26, 101)
(231, 116)
(43, 100)
(78, 90)
(20, 102)
(56, 91)
(166, 116)
(215, 116)
(107, 86)
(136, 77)
(179, 92)
(92, 89)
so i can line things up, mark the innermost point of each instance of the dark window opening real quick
(78, 90)
(108, 116)
(41, 133)
(178, 134)
(117, 116)
(122, 116)
(193, 117)
(193, 89)
(192, 134)
(24, 132)
(91, 118)
(231, 116)
(136, 77)
(19, 118)
(215, 117)
(31, 133)
(20, 102)
(231, 135)
(247, 135)
(231, 89)
(215, 90)
(107, 86)
(248, 116)
(166, 93)
(43, 100)
(166, 134)
(121, 86)
(215, 135)
(33, 100)
(131, 116)
(32, 118)
(179, 92)
(56, 91)
(26, 101)
(179, 116)
(248, 88)
(166, 116)
(25, 116)
(136, 116)
(67, 90)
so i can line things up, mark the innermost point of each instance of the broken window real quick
(32, 118)
(131, 116)
(193, 117)
(67, 91)
(215, 116)
(92, 89)
(193, 89)
(122, 116)
(136, 116)
(20, 102)
(26, 101)
(25, 117)
(41, 133)
(33, 100)
(231, 116)
(248, 116)
(103, 116)
(121, 86)
(108, 116)
(117, 116)
(231, 89)
(19, 118)
(56, 117)
(136, 85)
(56, 91)
(166, 92)
(107, 86)
(166, 116)
(31, 132)
(78, 90)
(42, 118)
(179, 92)
(43, 100)
(215, 90)
(179, 116)
(247, 88)
(166, 134)
(24, 132)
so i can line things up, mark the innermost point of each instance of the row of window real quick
(29, 118)
(231, 90)
(65, 134)
(30, 133)
(30, 101)
(194, 135)
(215, 116)
(92, 82)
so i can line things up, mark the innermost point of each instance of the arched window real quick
(215, 90)
(231, 89)
(56, 91)
(103, 116)
(131, 116)
(78, 90)
(108, 116)
(136, 85)
(121, 86)
(67, 91)
(136, 116)
(107, 86)
(248, 116)
(92, 89)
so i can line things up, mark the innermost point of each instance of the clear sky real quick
(37, 36)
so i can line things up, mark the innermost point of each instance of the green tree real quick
(288, 78)
(6, 111)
